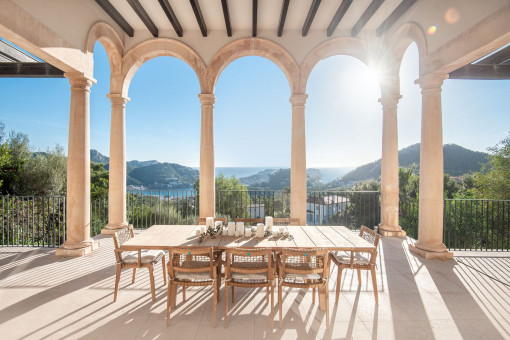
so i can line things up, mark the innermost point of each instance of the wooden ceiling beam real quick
(115, 15)
(142, 14)
(283, 16)
(29, 70)
(13, 54)
(485, 72)
(226, 15)
(342, 9)
(500, 57)
(401, 9)
(310, 16)
(254, 18)
(366, 16)
(200, 18)
(171, 16)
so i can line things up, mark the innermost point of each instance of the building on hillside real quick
(320, 208)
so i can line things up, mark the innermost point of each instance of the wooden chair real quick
(356, 260)
(192, 267)
(250, 268)
(201, 220)
(135, 259)
(303, 269)
(249, 221)
(285, 221)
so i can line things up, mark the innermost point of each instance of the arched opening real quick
(253, 122)
(343, 132)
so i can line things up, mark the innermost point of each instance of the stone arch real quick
(402, 38)
(337, 46)
(111, 42)
(252, 47)
(157, 47)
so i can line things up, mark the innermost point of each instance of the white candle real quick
(247, 232)
(209, 222)
(269, 223)
(198, 232)
(231, 229)
(282, 229)
(240, 225)
(202, 229)
(260, 229)
(218, 223)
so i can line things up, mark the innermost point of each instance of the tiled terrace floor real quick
(44, 297)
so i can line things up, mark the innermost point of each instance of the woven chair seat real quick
(249, 276)
(301, 278)
(147, 256)
(200, 276)
(346, 259)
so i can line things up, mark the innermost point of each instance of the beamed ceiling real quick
(278, 15)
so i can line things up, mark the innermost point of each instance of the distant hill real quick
(457, 161)
(277, 179)
(97, 157)
(165, 175)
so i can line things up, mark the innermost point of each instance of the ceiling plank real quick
(499, 57)
(29, 70)
(142, 14)
(200, 18)
(115, 15)
(171, 16)
(254, 18)
(309, 18)
(13, 54)
(342, 9)
(366, 16)
(484, 72)
(283, 16)
(226, 15)
(401, 9)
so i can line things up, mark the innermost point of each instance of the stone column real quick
(78, 241)
(298, 159)
(207, 188)
(389, 168)
(430, 223)
(117, 172)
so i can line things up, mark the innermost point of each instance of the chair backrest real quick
(249, 221)
(191, 260)
(303, 262)
(372, 237)
(120, 237)
(202, 220)
(285, 221)
(249, 261)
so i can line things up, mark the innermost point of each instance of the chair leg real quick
(374, 283)
(226, 306)
(218, 285)
(168, 304)
(313, 295)
(327, 305)
(174, 296)
(163, 262)
(272, 306)
(267, 294)
(359, 277)
(215, 298)
(151, 276)
(232, 294)
(183, 293)
(117, 279)
(338, 281)
(134, 274)
(280, 298)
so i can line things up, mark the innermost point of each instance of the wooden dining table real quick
(331, 238)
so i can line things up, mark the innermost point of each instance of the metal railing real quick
(252, 203)
(468, 224)
(33, 221)
(348, 208)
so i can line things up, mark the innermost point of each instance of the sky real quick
(252, 114)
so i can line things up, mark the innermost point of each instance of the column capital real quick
(207, 99)
(118, 99)
(298, 99)
(431, 81)
(79, 82)
(389, 101)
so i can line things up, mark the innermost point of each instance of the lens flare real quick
(452, 15)
(432, 30)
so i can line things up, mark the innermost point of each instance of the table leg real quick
(322, 298)
(174, 295)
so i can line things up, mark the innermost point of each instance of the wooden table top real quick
(333, 238)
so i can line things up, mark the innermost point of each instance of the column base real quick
(387, 231)
(427, 254)
(69, 252)
(111, 229)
